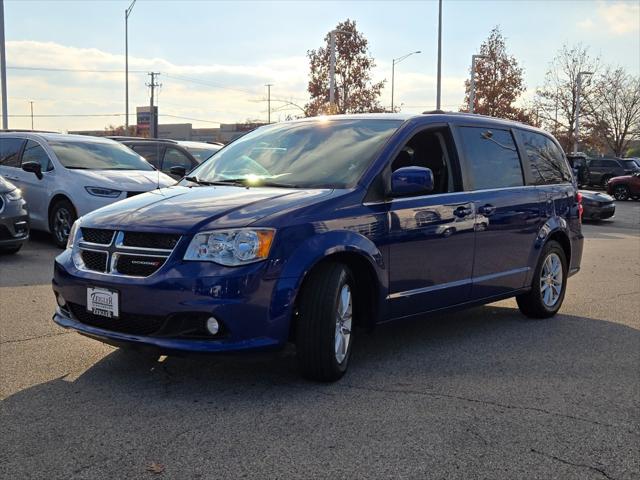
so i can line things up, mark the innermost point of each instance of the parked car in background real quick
(597, 205)
(578, 162)
(65, 176)
(601, 170)
(302, 231)
(14, 219)
(166, 154)
(625, 187)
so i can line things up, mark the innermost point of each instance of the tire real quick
(621, 192)
(10, 250)
(61, 219)
(605, 180)
(538, 303)
(325, 318)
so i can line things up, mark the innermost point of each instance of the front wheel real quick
(549, 284)
(61, 219)
(324, 332)
(621, 192)
(605, 180)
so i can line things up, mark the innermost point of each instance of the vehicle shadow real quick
(124, 411)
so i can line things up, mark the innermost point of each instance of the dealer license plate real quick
(103, 302)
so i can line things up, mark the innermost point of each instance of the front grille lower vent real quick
(138, 265)
(94, 261)
(126, 323)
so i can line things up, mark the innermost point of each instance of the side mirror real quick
(407, 181)
(178, 171)
(33, 167)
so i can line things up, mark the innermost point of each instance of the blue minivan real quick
(304, 231)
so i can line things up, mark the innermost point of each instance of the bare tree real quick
(614, 109)
(557, 99)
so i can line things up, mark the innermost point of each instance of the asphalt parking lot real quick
(484, 393)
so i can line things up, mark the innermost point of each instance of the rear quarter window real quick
(546, 161)
(492, 158)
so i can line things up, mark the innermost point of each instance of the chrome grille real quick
(115, 252)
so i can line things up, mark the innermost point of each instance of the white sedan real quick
(63, 177)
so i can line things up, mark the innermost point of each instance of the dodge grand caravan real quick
(302, 231)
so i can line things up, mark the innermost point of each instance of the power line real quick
(188, 118)
(208, 84)
(71, 115)
(81, 70)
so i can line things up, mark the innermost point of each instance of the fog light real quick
(212, 325)
(61, 301)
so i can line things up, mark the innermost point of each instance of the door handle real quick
(462, 212)
(487, 210)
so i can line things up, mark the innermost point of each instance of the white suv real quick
(63, 177)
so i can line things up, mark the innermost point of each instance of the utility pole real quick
(127, 12)
(472, 82)
(152, 114)
(576, 139)
(31, 102)
(439, 86)
(269, 85)
(3, 70)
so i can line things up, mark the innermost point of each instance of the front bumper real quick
(14, 225)
(242, 303)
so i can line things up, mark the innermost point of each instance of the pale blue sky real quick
(247, 44)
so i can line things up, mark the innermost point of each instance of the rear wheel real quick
(324, 333)
(549, 284)
(605, 180)
(61, 219)
(621, 192)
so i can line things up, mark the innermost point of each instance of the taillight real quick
(580, 207)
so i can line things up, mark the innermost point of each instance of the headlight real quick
(13, 195)
(231, 247)
(103, 192)
(73, 233)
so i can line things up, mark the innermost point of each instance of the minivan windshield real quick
(98, 156)
(320, 153)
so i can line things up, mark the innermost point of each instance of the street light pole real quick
(31, 102)
(127, 12)
(576, 139)
(269, 85)
(472, 82)
(439, 86)
(393, 71)
(3, 70)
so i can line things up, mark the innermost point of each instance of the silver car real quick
(14, 219)
(63, 177)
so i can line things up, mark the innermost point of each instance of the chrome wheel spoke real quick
(551, 280)
(343, 323)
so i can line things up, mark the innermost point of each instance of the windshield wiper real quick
(245, 182)
(198, 181)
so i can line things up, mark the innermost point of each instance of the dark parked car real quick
(14, 218)
(601, 170)
(625, 187)
(597, 205)
(304, 230)
(166, 154)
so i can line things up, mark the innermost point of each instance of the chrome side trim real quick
(457, 283)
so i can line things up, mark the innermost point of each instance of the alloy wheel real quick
(344, 317)
(621, 192)
(62, 224)
(551, 280)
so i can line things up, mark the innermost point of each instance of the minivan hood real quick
(184, 209)
(125, 180)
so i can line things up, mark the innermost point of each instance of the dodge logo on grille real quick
(145, 262)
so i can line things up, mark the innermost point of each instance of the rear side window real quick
(33, 152)
(151, 153)
(492, 158)
(545, 159)
(175, 158)
(9, 151)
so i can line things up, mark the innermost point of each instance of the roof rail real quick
(25, 130)
(435, 112)
(140, 139)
